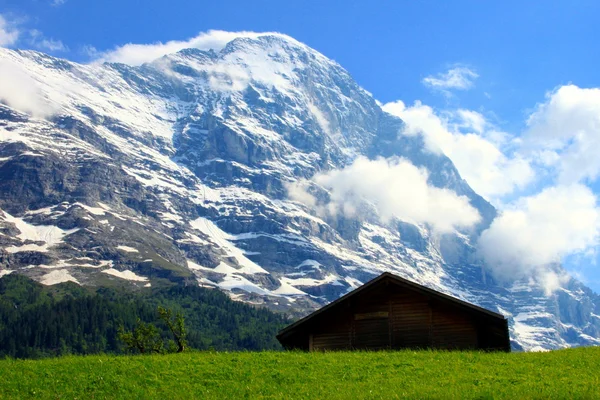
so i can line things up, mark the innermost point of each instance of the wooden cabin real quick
(390, 312)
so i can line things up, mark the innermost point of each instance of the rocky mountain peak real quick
(178, 172)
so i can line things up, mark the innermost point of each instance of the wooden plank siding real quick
(398, 320)
(334, 332)
(393, 316)
(411, 320)
(371, 334)
(453, 330)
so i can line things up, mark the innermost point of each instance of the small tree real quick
(176, 326)
(144, 338)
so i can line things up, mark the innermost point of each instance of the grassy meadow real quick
(563, 374)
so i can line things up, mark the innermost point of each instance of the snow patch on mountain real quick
(4, 272)
(57, 276)
(127, 275)
(48, 235)
(221, 239)
(128, 249)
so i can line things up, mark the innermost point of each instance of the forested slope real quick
(38, 321)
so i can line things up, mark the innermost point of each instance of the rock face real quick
(177, 171)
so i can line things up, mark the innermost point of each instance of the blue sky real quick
(518, 61)
(520, 51)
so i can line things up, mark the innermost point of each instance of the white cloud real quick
(460, 78)
(269, 65)
(21, 92)
(9, 34)
(137, 54)
(476, 154)
(298, 191)
(13, 33)
(472, 120)
(90, 51)
(533, 235)
(320, 118)
(564, 132)
(228, 77)
(396, 188)
(537, 232)
(39, 41)
(57, 3)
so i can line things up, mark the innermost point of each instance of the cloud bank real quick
(21, 92)
(471, 143)
(564, 133)
(540, 230)
(396, 188)
(557, 151)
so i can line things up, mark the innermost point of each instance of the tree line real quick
(38, 321)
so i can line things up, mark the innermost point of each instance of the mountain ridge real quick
(179, 170)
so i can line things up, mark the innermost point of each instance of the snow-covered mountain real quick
(178, 170)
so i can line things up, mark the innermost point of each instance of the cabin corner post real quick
(390, 324)
(507, 336)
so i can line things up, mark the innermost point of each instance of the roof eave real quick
(374, 281)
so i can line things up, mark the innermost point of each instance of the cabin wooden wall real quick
(411, 320)
(391, 317)
(334, 333)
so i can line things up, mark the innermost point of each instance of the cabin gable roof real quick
(389, 277)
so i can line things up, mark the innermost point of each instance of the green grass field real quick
(564, 374)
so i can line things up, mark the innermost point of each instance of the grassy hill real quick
(564, 374)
